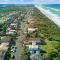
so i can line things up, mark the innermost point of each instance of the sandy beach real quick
(50, 15)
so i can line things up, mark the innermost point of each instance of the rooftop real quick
(13, 24)
(5, 39)
(33, 47)
(3, 47)
(32, 29)
(34, 39)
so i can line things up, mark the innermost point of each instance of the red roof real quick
(6, 39)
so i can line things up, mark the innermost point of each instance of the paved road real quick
(19, 45)
(18, 42)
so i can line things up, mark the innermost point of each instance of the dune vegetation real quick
(50, 33)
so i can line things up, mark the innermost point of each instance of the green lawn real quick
(49, 31)
(50, 46)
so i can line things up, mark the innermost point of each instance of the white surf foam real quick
(53, 9)
(55, 18)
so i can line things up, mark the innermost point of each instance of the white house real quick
(11, 32)
(33, 48)
(31, 30)
(13, 26)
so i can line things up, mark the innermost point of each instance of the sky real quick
(29, 1)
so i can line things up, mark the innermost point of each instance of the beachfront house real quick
(33, 48)
(37, 41)
(32, 30)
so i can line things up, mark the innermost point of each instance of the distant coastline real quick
(50, 15)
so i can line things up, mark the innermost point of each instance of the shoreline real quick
(50, 15)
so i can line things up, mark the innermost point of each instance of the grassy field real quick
(49, 32)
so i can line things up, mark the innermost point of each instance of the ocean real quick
(54, 8)
(52, 11)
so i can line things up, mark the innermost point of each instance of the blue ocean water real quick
(54, 8)
(52, 11)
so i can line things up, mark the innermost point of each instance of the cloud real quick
(16, 1)
(47, 1)
(30, 1)
(11, 1)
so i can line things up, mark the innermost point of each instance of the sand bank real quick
(55, 18)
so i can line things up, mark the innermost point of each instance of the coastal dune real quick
(50, 15)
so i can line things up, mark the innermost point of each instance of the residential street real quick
(19, 45)
(20, 39)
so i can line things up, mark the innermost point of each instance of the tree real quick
(0, 39)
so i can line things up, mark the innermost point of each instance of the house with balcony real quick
(33, 49)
